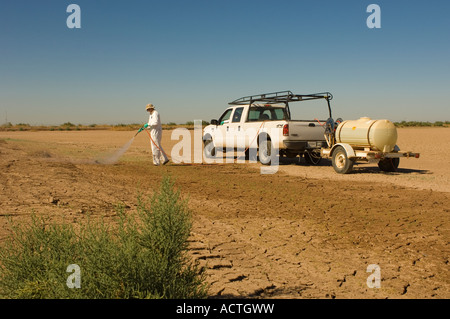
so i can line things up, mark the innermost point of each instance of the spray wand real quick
(141, 129)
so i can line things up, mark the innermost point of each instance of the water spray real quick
(112, 159)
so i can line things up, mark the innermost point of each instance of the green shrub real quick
(138, 256)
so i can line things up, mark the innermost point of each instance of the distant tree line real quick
(422, 124)
(68, 126)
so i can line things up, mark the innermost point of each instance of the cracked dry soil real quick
(301, 233)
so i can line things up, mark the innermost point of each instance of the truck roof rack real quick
(280, 97)
(283, 97)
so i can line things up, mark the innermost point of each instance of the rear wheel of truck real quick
(265, 150)
(341, 163)
(389, 164)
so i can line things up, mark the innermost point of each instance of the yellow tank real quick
(378, 135)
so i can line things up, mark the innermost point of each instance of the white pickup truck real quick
(262, 124)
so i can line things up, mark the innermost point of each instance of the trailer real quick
(268, 119)
(363, 140)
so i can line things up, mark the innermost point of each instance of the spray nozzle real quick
(140, 130)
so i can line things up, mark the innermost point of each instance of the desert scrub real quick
(143, 255)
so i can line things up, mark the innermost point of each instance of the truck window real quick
(279, 114)
(237, 115)
(257, 114)
(225, 117)
(253, 115)
(265, 115)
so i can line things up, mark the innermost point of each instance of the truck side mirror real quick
(214, 122)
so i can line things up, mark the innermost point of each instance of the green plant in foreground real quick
(137, 256)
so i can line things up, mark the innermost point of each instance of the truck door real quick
(235, 130)
(222, 128)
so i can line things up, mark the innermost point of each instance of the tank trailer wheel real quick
(389, 164)
(341, 163)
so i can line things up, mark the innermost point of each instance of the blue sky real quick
(190, 58)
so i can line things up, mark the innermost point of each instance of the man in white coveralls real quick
(154, 125)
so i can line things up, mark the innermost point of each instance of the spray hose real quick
(156, 144)
(142, 129)
(262, 124)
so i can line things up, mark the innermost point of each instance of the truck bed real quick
(304, 134)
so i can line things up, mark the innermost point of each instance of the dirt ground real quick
(304, 232)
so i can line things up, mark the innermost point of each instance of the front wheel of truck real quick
(209, 150)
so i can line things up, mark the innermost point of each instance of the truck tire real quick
(341, 163)
(389, 164)
(265, 150)
(209, 150)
